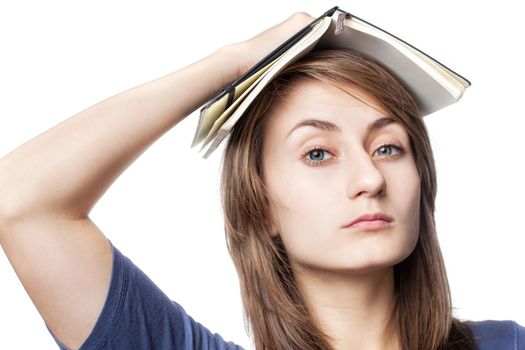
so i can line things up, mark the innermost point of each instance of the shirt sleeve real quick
(498, 335)
(138, 315)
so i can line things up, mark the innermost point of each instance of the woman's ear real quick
(270, 224)
(273, 229)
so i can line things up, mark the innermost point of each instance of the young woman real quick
(333, 138)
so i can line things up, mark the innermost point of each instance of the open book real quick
(432, 84)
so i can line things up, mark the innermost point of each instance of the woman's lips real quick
(370, 224)
(371, 221)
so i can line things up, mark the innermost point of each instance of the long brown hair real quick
(275, 313)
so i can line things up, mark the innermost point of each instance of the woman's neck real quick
(353, 309)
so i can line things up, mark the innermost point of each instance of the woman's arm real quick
(49, 184)
(66, 169)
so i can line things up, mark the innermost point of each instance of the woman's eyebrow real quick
(332, 127)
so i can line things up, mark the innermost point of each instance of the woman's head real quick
(286, 203)
(336, 169)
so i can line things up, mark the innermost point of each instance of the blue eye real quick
(390, 146)
(315, 155)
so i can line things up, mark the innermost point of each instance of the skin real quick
(346, 275)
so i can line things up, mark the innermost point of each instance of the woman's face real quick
(315, 193)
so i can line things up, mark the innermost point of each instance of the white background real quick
(163, 212)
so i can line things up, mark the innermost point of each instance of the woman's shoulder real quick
(498, 334)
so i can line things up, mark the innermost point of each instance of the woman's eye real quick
(383, 150)
(316, 156)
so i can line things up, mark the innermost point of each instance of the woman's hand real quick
(251, 51)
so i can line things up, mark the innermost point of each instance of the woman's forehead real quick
(301, 87)
(343, 106)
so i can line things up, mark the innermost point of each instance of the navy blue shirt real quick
(498, 335)
(138, 315)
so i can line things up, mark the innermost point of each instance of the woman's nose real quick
(363, 176)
